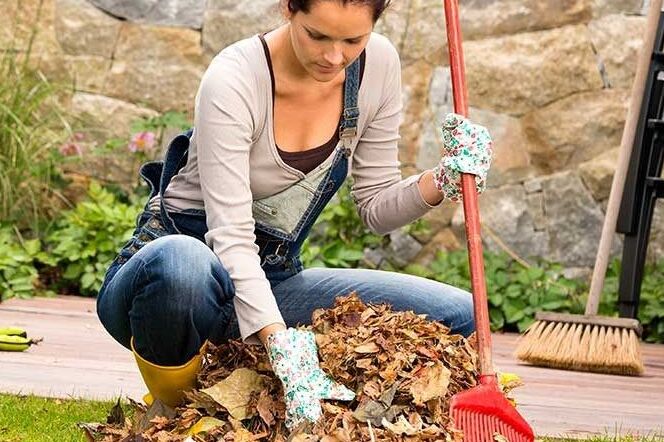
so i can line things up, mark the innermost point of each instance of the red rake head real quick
(484, 414)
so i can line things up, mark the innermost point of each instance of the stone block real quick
(157, 66)
(227, 21)
(185, 13)
(506, 219)
(485, 18)
(618, 39)
(520, 73)
(597, 174)
(575, 129)
(574, 220)
(83, 29)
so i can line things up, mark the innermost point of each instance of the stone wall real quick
(549, 78)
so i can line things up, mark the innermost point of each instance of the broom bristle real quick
(581, 347)
(480, 427)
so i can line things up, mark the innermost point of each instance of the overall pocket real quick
(151, 229)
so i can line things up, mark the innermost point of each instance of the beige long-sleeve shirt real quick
(233, 160)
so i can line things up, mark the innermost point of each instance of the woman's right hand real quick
(294, 357)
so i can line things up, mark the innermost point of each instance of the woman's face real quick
(330, 36)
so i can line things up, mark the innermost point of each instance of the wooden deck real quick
(79, 359)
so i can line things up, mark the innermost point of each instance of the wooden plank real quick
(79, 359)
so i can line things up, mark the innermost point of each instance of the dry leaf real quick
(234, 392)
(431, 382)
(242, 435)
(264, 408)
(497, 437)
(369, 347)
(402, 426)
(205, 424)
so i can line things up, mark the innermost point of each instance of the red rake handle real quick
(470, 204)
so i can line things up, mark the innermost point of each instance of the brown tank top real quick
(307, 160)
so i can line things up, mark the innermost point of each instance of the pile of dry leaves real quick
(403, 368)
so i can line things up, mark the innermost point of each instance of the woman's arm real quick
(385, 201)
(428, 190)
(224, 123)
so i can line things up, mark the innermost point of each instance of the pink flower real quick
(70, 149)
(142, 142)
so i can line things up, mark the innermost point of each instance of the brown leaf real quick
(431, 382)
(497, 437)
(369, 347)
(264, 407)
(351, 320)
(372, 389)
(234, 392)
(402, 426)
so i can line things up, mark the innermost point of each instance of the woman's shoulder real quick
(243, 54)
(382, 57)
(381, 50)
(240, 65)
(381, 67)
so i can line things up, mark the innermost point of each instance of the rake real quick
(482, 413)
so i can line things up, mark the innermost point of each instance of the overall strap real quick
(348, 127)
(176, 158)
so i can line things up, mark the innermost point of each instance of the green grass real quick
(36, 419)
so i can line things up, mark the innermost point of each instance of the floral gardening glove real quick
(467, 149)
(294, 358)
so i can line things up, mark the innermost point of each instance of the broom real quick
(589, 342)
(482, 412)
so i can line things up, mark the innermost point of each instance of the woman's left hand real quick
(467, 149)
(294, 357)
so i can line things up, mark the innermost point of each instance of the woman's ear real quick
(283, 8)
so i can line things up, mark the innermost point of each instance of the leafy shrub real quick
(18, 259)
(515, 292)
(87, 238)
(651, 304)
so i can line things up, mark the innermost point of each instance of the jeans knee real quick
(461, 318)
(182, 268)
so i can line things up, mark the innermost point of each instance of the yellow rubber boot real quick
(168, 383)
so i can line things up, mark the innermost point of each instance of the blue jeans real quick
(174, 293)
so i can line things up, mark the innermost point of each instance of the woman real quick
(280, 119)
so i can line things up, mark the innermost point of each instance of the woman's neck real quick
(285, 64)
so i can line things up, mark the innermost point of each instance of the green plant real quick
(339, 237)
(87, 238)
(515, 292)
(32, 126)
(19, 259)
(651, 303)
(37, 419)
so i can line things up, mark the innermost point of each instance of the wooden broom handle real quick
(470, 203)
(625, 152)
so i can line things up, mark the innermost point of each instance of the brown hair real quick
(378, 6)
